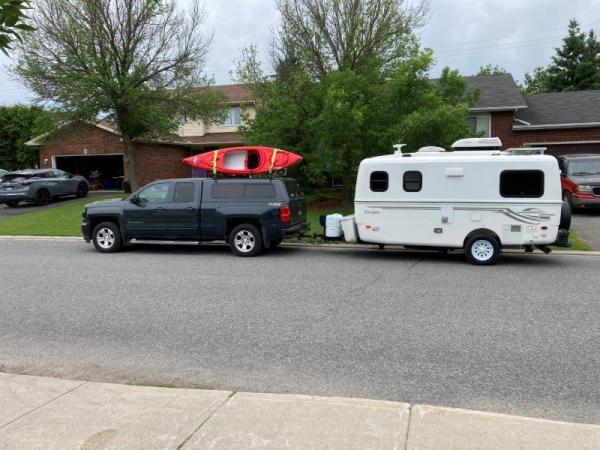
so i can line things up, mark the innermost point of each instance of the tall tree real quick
(328, 35)
(18, 124)
(13, 22)
(135, 62)
(574, 67)
(491, 69)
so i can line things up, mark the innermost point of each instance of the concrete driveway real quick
(6, 211)
(518, 338)
(586, 222)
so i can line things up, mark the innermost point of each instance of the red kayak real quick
(244, 160)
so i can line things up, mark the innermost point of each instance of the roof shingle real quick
(497, 92)
(559, 108)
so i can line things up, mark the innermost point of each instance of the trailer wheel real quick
(482, 249)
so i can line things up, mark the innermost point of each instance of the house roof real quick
(211, 139)
(560, 109)
(235, 93)
(496, 93)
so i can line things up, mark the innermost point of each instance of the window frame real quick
(387, 180)
(230, 119)
(404, 181)
(146, 202)
(195, 185)
(543, 184)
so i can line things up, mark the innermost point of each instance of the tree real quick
(575, 67)
(328, 35)
(137, 63)
(19, 124)
(12, 22)
(491, 69)
(344, 116)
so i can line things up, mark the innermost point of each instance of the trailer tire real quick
(565, 216)
(482, 249)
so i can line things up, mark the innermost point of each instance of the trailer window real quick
(522, 183)
(379, 181)
(412, 181)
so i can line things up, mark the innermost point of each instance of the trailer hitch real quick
(544, 248)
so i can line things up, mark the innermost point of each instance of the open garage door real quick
(102, 171)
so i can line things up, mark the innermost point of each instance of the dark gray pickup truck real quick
(248, 214)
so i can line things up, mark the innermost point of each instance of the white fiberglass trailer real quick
(479, 201)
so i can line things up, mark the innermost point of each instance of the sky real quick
(464, 34)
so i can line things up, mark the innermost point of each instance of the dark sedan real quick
(40, 186)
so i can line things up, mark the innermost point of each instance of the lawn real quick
(58, 221)
(576, 243)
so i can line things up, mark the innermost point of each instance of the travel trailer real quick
(477, 201)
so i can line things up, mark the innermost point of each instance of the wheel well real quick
(95, 221)
(234, 222)
(482, 231)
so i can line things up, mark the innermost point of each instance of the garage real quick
(104, 172)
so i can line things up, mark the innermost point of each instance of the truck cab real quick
(249, 214)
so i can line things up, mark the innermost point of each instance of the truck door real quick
(147, 218)
(184, 210)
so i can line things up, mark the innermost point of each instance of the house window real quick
(379, 181)
(233, 118)
(480, 125)
(522, 183)
(412, 181)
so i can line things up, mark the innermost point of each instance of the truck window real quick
(266, 191)
(156, 193)
(412, 181)
(184, 192)
(522, 183)
(293, 189)
(227, 190)
(379, 181)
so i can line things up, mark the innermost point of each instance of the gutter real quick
(556, 126)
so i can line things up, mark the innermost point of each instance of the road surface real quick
(586, 222)
(519, 338)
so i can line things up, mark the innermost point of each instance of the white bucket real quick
(349, 228)
(333, 228)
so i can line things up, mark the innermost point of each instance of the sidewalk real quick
(48, 413)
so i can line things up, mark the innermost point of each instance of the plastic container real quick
(333, 228)
(349, 228)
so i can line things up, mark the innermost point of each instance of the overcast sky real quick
(464, 34)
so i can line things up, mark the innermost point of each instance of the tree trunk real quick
(349, 180)
(129, 162)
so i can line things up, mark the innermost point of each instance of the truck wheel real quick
(482, 250)
(245, 240)
(82, 190)
(107, 237)
(42, 197)
(13, 204)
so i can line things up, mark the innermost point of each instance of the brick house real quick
(94, 150)
(564, 122)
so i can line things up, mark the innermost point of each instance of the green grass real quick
(577, 243)
(57, 221)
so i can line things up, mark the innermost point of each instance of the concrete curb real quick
(41, 412)
(364, 247)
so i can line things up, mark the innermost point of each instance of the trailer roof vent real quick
(431, 149)
(493, 143)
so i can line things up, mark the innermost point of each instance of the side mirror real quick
(562, 173)
(134, 199)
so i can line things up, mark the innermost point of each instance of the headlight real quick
(584, 188)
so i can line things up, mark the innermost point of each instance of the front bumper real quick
(86, 231)
(295, 230)
(16, 196)
(582, 200)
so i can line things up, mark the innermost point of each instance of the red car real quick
(580, 179)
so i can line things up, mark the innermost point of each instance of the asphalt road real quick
(586, 222)
(521, 338)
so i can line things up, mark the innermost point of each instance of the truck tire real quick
(482, 249)
(245, 240)
(107, 237)
(42, 197)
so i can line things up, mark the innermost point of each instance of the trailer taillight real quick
(285, 215)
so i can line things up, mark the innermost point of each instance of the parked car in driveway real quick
(2, 173)
(580, 179)
(40, 186)
(249, 214)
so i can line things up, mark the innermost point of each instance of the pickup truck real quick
(249, 214)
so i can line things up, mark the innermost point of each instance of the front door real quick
(184, 210)
(147, 217)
